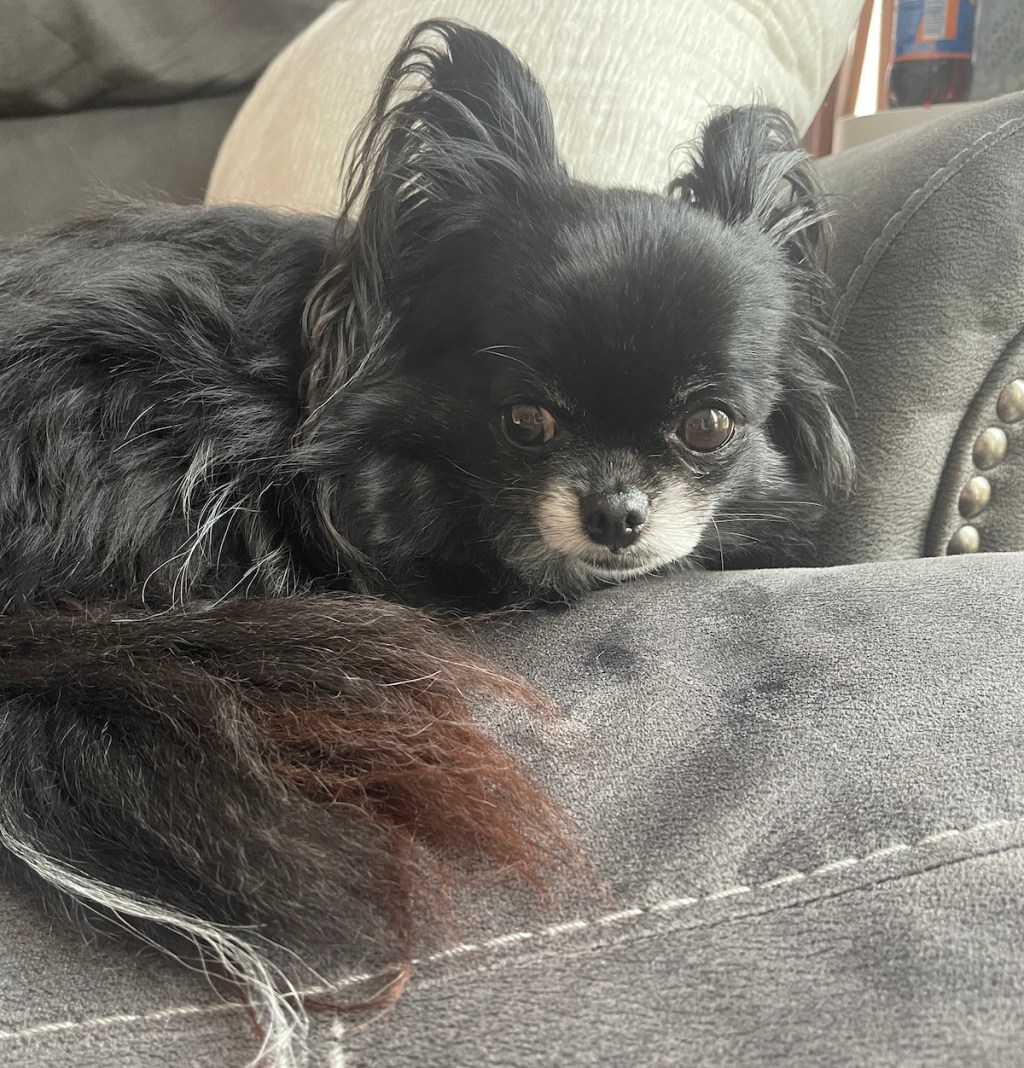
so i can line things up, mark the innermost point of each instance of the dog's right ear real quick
(450, 89)
(458, 124)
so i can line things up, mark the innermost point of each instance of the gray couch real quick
(124, 95)
(802, 789)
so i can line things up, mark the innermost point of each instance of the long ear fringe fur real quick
(749, 168)
(300, 771)
(454, 114)
(749, 165)
(454, 117)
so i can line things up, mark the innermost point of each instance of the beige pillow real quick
(628, 80)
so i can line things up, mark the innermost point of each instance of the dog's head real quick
(584, 384)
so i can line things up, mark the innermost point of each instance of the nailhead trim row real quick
(988, 452)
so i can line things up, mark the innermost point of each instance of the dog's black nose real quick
(615, 519)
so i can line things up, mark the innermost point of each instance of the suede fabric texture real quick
(55, 168)
(802, 792)
(928, 264)
(126, 96)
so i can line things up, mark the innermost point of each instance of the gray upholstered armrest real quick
(929, 263)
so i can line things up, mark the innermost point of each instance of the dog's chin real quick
(571, 575)
(619, 570)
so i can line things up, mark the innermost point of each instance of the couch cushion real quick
(804, 793)
(54, 168)
(58, 55)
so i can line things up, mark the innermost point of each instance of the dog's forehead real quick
(632, 383)
(635, 313)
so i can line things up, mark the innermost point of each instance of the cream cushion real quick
(628, 80)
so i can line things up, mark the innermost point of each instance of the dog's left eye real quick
(707, 429)
(528, 426)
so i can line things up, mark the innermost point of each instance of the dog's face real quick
(601, 373)
(587, 385)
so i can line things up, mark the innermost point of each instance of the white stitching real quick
(554, 931)
(125, 1017)
(155, 1015)
(729, 891)
(506, 939)
(898, 847)
(565, 928)
(835, 865)
(676, 903)
(457, 951)
(672, 903)
(618, 917)
(939, 836)
(336, 1055)
(783, 880)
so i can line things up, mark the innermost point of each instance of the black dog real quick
(233, 440)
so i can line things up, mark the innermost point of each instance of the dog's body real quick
(150, 366)
(497, 384)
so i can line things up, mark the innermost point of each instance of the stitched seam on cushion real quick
(670, 905)
(633, 937)
(153, 1016)
(666, 905)
(897, 222)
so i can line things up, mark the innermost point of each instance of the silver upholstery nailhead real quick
(989, 448)
(1010, 406)
(989, 451)
(974, 497)
(965, 540)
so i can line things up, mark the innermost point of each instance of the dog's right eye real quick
(528, 426)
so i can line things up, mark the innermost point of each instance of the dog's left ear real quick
(749, 168)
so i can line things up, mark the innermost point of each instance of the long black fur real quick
(207, 408)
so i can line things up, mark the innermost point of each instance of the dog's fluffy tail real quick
(228, 779)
